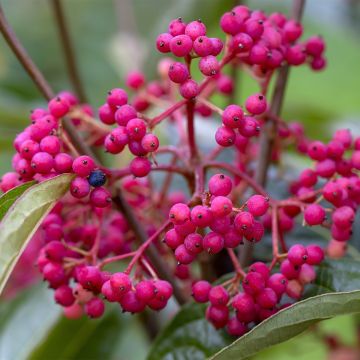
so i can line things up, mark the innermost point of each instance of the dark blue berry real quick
(97, 178)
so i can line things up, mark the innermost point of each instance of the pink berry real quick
(83, 165)
(230, 24)
(297, 254)
(209, 65)
(179, 214)
(63, 163)
(292, 30)
(315, 255)
(343, 217)
(120, 283)
(177, 27)
(307, 274)
(201, 290)
(150, 142)
(140, 166)
(195, 29)
(59, 107)
(245, 307)
(213, 243)
(225, 136)
(236, 328)
(314, 214)
(42, 162)
(51, 145)
(106, 114)
(201, 216)
(145, 290)
(218, 315)
(163, 42)
(181, 45)
(294, 289)
(135, 80)
(256, 104)
(28, 149)
(253, 283)
(221, 206)
(243, 221)
(203, 46)
(315, 46)
(289, 270)
(100, 197)
(278, 282)
(95, 308)
(193, 243)
(79, 187)
(131, 303)
(267, 298)
(183, 256)
(261, 268)
(218, 296)
(178, 73)
(116, 97)
(189, 89)
(220, 185)
(258, 205)
(64, 296)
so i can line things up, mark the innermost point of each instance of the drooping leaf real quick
(188, 336)
(24, 217)
(7, 199)
(289, 322)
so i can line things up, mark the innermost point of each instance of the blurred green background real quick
(111, 38)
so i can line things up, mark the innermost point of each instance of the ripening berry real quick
(315, 46)
(243, 220)
(200, 291)
(195, 29)
(172, 239)
(254, 28)
(59, 106)
(289, 270)
(163, 290)
(135, 80)
(108, 292)
(179, 214)
(28, 149)
(83, 165)
(182, 272)
(221, 224)
(209, 65)
(225, 85)
(220, 185)
(217, 46)
(335, 150)
(124, 114)
(343, 217)
(131, 303)
(145, 290)
(55, 251)
(8, 181)
(100, 197)
(64, 296)
(236, 328)
(232, 238)
(278, 282)
(106, 114)
(183, 256)
(225, 136)
(136, 129)
(253, 283)
(54, 274)
(294, 289)
(63, 163)
(244, 307)
(213, 243)
(50, 144)
(232, 116)
(326, 168)
(340, 234)
(315, 255)
(218, 315)
(185, 229)
(140, 166)
(318, 63)
(241, 43)
(218, 296)
(150, 142)
(336, 249)
(307, 274)
(344, 136)
(256, 104)
(297, 254)
(258, 205)
(181, 45)
(261, 268)
(193, 243)
(355, 160)
(97, 178)
(163, 42)
(201, 216)
(203, 46)
(267, 298)
(178, 73)
(117, 97)
(95, 308)
(189, 89)
(308, 178)
(120, 282)
(177, 27)
(292, 30)
(42, 162)
(295, 55)
(258, 54)
(249, 127)
(221, 206)
(74, 311)
(314, 214)
(230, 24)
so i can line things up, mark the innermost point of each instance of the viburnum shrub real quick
(114, 214)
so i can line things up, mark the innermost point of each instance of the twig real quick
(67, 45)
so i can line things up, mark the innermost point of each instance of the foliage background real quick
(108, 44)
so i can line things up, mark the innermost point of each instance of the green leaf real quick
(188, 336)
(25, 321)
(7, 199)
(335, 276)
(290, 322)
(23, 219)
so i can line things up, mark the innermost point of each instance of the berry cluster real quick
(86, 231)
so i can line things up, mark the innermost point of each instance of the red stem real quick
(190, 107)
(156, 120)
